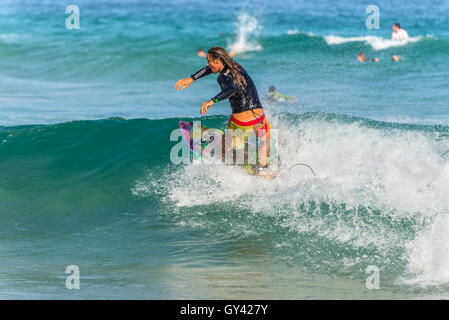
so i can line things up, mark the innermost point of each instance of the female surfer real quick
(237, 86)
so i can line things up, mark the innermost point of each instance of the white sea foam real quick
(383, 173)
(429, 254)
(247, 30)
(393, 169)
(377, 43)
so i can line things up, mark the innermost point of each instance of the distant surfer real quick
(237, 86)
(274, 96)
(398, 33)
(361, 57)
(200, 53)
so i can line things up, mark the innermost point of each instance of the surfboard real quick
(204, 137)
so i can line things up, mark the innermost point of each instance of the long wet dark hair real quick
(234, 67)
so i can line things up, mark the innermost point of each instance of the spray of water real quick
(247, 29)
(376, 188)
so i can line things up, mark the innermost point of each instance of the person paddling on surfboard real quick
(237, 86)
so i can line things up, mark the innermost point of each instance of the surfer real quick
(200, 53)
(237, 86)
(361, 57)
(274, 96)
(398, 33)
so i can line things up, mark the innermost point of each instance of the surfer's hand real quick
(184, 83)
(206, 105)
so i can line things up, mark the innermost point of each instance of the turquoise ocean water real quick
(86, 177)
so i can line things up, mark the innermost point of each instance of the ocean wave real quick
(377, 43)
(379, 187)
(429, 255)
(379, 195)
(292, 32)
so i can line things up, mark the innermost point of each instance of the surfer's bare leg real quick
(264, 150)
(264, 145)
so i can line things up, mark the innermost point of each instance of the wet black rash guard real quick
(240, 99)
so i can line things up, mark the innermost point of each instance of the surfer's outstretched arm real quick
(184, 83)
(201, 73)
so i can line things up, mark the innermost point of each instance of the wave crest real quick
(377, 43)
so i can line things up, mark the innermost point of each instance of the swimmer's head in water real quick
(200, 52)
(218, 58)
(361, 57)
(271, 88)
(396, 27)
